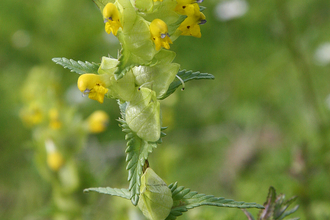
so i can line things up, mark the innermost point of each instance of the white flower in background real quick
(228, 10)
(322, 54)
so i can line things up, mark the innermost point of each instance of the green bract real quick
(158, 76)
(143, 115)
(123, 88)
(155, 196)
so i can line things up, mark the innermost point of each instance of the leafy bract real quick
(137, 46)
(143, 115)
(185, 76)
(137, 152)
(77, 66)
(159, 75)
(124, 193)
(184, 199)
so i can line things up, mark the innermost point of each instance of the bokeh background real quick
(263, 121)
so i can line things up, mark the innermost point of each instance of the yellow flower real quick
(159, 34)
(111, 18)
(190, 26)
(55, 160)
(98, 122)
(93, 85)
(31, 115)
(55, 122)
(182, 5)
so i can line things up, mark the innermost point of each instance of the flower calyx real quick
(111, 17)
(159, 34)
(93, 85)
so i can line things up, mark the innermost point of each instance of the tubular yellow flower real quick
(55, 160)
(111, 19)
(31, 115)
(92, 85)
(98, 121)
(159, 34)
(55, 122)
(190, 26)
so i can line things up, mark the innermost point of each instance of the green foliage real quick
(137, 152)
(184, 199)
(124, 193)
(77, 66)
(185, 76)
(275, 207)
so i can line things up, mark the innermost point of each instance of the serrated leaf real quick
(124, 193)
(268, 212)
(77, 66)
(276, 206)
(185, 76)
(285, 214)
(184, 199)
(137, 152)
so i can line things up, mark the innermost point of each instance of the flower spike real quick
(159, 34)
(111, 19)
(92, 85)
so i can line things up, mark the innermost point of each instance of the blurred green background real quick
(263, 121)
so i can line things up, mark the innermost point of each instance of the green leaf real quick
(124, 193)
(185, 76)
(276, 206)
(77, 66)
(137, 152)
(184, 199)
